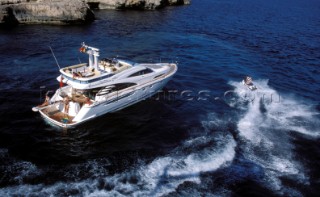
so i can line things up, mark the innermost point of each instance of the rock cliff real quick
(69, 11)
(44, 12)
(134, 4)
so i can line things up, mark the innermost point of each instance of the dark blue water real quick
(204, 135)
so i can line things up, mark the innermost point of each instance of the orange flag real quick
(61, 83)
(82, 49)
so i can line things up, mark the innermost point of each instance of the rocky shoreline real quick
(61, 12)
(134, 4)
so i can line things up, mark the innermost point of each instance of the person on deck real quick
(66, 104)
(46, 101)
(76, 74)
(88, 101)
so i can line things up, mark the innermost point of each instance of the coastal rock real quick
(134, 4)
(44, 12)
(61, 12)
(179, 2)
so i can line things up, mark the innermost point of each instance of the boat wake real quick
(256, 144)
(266, 127)
(210, 150)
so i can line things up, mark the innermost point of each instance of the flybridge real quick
(96, 70)
(93, 55)
(82, 72)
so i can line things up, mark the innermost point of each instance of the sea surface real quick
(205, 134)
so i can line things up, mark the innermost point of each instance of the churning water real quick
(210, 137)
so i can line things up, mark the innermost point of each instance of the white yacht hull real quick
(99, 87)
(117, 102)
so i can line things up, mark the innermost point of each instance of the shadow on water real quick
(143, 127)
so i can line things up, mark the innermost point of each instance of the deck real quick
(55, 114)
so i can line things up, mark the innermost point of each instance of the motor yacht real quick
(89, 90)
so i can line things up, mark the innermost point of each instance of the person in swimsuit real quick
(46, 102)
(66, 104)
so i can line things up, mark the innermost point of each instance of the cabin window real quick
(141, 72)
(121, 86)
(158, 76)
(99, 78)
(115, 87)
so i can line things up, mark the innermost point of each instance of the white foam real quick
(163, 175)
(196, 141)
(264, 141)
(265, 127)
(3, 151)
(175, 170)
(282, 112)
(248, 124)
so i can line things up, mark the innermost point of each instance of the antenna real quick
(41, 87)
(54, 57)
